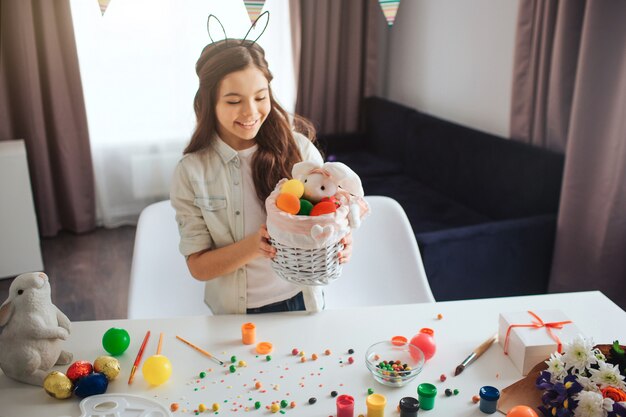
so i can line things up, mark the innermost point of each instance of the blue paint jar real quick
(489, 399)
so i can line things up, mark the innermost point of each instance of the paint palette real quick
(121, 405)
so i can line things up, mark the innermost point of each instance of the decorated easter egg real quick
(157, 369)
(305, 207)
(115, 341)
(58, 385)
(323, 207)
(288, 203)
(107, 365)
(78, 370)
(294, 187)
(93, 384)
(521, 411)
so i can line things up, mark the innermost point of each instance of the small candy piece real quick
(202, 408)
(442, 377)
(293, 404)
(312, 400)
(350, 360)
(288, 203)
(370, 391)
(448, 392)
(303, 359)
(232, 369)
(314, 356)
(301, 353)
(455, 392)
(333, 394)
(242, 364)
(294, 351)
(215, 407)
(258, 385)
(295, 187)
(233, 359)
(284, 404)
(275, 407)
(439, 316)
(276, 387)
(475, 399)
(202, 374)
(350, 351)
(174, 407)
(327, 352)
(268, 358)
(257, 405)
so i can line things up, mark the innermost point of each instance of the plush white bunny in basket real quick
(307, 247)
(31, 330)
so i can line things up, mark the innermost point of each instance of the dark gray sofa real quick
(483, 208)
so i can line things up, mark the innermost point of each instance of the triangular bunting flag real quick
(390, 8)
(103, 5)
(254, 9)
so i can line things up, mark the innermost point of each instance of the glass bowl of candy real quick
(394, 363)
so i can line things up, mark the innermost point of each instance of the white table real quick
(465, 324)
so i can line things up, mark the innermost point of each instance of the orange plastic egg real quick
(288, 203)
(323, 207)
(521, 411)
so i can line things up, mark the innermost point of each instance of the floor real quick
(89, 273)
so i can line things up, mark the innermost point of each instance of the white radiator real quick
(19, 236)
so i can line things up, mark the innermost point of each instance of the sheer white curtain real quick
(137, 66)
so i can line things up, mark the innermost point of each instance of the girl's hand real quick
(264, 247)
(346, 253)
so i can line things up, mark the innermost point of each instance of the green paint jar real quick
(426, 394)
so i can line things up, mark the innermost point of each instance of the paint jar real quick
(409, 407)
(345, 406)
(248, 333)
(376, 405)
(426, 394)
(488, 399)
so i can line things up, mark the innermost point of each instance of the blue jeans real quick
(295, 303)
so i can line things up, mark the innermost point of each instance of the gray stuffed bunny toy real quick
(31, 330)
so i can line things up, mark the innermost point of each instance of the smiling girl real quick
(243, 144)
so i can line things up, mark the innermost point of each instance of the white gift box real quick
(527, 346)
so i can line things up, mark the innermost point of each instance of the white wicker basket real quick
(307, 266)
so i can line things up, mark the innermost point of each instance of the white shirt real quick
(207, 194)
(263, 285)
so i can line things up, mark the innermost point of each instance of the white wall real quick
(454, 59)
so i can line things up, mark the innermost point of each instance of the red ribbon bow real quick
(537, 325)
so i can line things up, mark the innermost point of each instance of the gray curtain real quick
(338, 63)
(41, 101)
(569, 94)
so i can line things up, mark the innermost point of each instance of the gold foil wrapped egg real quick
(107, 365)
(58, 385)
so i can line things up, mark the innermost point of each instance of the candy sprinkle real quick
(174, 407)
(442, 377)
(448, 392)
(312, 400)
(327, 352)
(294, 351)
(475, 399)
(215, 406)
(439, 316)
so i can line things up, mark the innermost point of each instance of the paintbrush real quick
(475, 354)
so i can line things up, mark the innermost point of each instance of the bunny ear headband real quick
(263, 18)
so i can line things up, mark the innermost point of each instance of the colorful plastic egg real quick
(521, 411)
(288, 203)
(305, 207)
(115, 341)
(323, 207)
(294, 187)
(425, 341)
(157, 369)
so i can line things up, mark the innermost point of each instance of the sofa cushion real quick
(426, 209)
(366, 164)
(499, 177)
(386, 127)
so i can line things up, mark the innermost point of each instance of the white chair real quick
(386, 265)
(160, 283)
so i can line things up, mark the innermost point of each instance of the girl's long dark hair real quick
(277, 150)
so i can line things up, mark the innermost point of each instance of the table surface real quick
(463, 326)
